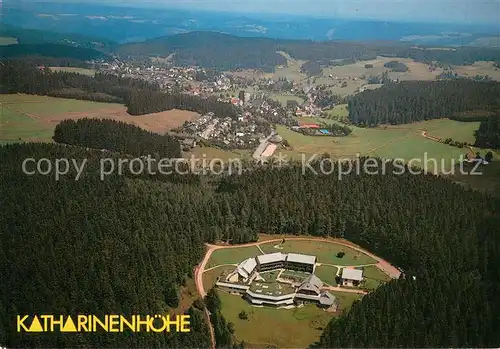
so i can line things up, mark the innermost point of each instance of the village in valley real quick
(255, 99)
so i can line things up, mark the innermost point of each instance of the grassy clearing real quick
(478, 68)
(374, 277)
(210, 277)
(215, 153)
(327, 274)
(282, 328)
(487, 182)
(346, 299)
(338, 113)
(8, 40)
(445, 128)
(283, 98)
(232, 255)
(48, 106)
(325, 251)
(188, 294)
(17, 127)
(83, 71)
(291, 71)
(423, 153)
(402, 142)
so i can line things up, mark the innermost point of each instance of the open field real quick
(404, 141)
(282, 328)
(83, 71)
(283, 98)
(246, 73)
(374, 277)
(478, 68)
(232, 255)
(216, 153)
(445, 128)
(487, 182)
(327, 274)
(346, 299)
(17, 127)
(210, 277)
(8, 40)
(417, 70)
(339, 112)
(291, 71)
(46, 112)
(325, 251)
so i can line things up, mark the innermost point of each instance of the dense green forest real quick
(116, 136)
(145, 101)
(50, 50)
(34, 36)
(125, 244)
(227, 52)
(488, 135)
(141, 97)
(411, 101)
(210, 50)
(396, 66)
(223, 330)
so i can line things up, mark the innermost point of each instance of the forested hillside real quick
(33, 36)
(116, 136)
(210, 50)
(50, 50)
(412, 101)
(227, 52)
(85, 243)
(141, 97)
(488, 135)
(146, 101)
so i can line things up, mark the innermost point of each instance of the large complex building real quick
(271, 261)
(247, 280)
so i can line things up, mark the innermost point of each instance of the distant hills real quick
(228, 52)
(129, 23)
(34, 36)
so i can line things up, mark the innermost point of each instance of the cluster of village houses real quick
(251, 130)
(242, 133)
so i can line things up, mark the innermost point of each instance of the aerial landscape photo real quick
(249, 174)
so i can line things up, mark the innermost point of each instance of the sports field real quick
(282, 328)
(232, 255)
(33, 118)
(326, 252)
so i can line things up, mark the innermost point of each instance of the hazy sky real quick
(486, 11)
